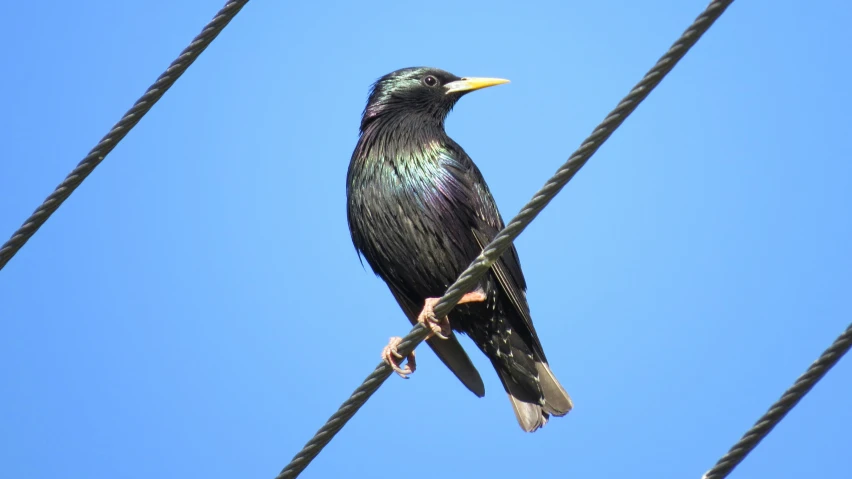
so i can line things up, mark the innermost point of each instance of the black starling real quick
(419, 212)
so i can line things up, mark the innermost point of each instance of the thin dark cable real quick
(504, 239)
(780, 409)
(120, 130)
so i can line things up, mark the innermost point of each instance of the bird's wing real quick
(486, 222)
(507, 269)
(449, 350)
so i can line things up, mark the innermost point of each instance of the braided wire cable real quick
(788, 401)
(120, 130)
(504, 238)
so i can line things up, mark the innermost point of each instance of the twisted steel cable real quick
(788, 401)
(120, 130)
(468, 279)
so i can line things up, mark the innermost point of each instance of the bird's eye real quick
(430, 81)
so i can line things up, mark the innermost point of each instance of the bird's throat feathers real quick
(402, 138)
(409, 114)
(399, 165)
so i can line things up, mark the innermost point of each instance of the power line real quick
(504, 238)
(788, 401)
(120, 130)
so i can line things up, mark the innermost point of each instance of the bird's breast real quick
(404, 215)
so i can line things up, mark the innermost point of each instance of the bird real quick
(419, 212)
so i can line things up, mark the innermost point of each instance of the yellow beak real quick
(472, 83)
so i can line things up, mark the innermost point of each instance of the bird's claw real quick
(436, 327)
(441, 327)
(390, 355)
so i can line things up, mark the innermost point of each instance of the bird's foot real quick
(441, 327)
(391, 355)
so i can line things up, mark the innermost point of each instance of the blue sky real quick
(196, 309)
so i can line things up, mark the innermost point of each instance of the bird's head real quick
(424, 94)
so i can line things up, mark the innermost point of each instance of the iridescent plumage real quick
(420, 211)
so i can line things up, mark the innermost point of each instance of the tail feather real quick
(529, 414)
(533, 413)
(556, 399)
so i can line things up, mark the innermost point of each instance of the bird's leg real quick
(391, 355)
(441, 327)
